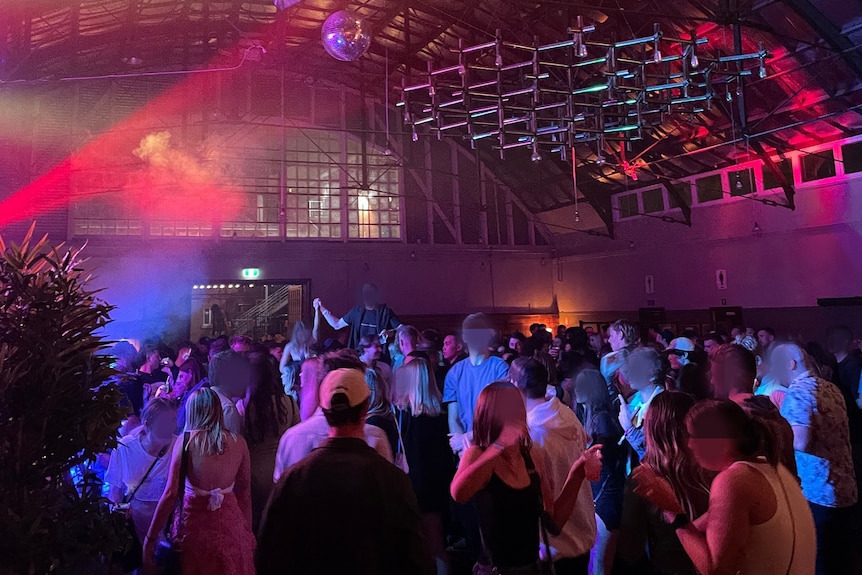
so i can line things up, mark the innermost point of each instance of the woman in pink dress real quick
(215, 524)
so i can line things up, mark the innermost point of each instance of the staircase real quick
(259, 314)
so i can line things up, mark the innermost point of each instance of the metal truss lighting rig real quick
(550, 97)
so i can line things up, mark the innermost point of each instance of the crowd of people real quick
(612, 451)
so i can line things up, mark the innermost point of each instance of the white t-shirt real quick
(129, 462)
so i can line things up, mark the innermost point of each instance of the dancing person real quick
(229, 380)
(138, 468)
(215, 524)
(303, 438)
(407, 337)
(757, 521)
(644, 535)
(189, 375)
(267, 413)
(596, 412)
(623, 338)
(556, 430)
(504, 476)
(643, 372)
(733, 372)
(380, 413)
(240, 343)
(343, 508)
(424, 432)
(469, 377)
(297, 350)
(370, 318)
(816, 411)
(370, 351)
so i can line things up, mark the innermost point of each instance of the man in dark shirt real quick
(369, 318)
(343, 509)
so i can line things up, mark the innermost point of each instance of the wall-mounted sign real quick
(250, 273)
(721, 279)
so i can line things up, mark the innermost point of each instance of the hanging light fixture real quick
(656, 55)
(694, 61)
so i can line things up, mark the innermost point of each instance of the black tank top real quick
(509, 522)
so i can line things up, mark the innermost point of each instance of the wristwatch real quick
(680, 521)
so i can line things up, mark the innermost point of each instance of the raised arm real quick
(335, 323)
(474, 472)
(315, 328)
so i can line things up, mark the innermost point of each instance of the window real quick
(653, 200)
(852, 154)
(683, 190)
(741, 182)
(325, 184)
(709, 189)
(818, 165)
(770, 182)
(628, 205)
(373, 206)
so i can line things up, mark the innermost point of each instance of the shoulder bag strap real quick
(792, 519)
(146, 475)
(543, 517)
(398, 417)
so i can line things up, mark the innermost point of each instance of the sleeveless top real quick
(509, 523)
(785, 544)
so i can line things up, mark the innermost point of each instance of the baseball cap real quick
(343, 389)
(681, 344)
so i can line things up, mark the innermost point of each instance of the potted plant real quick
(56, 414)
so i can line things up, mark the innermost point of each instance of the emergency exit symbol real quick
(721, 279)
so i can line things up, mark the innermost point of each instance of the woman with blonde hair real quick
(297, 350)
(425, 437)
(209, 471)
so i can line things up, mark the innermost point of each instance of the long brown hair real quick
(488, 420)
(666, 452)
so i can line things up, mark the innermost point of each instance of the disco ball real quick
(346, 36)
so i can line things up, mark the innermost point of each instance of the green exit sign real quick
(251, 273)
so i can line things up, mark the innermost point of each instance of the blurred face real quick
(451, 348)
(735, 332)
(590, 330)
(511, 409)
(615, 338)
(765, 338)
(713, 454)
(710, 345)
(782, 366)
(153, 360)
(749, 331)
(370, 296)
(372, 352)
(276, 352)
(241, 347)
(478, 339)
(515, 344)
(162, 427)
(184, 378)
(674, 360)
(640, 373)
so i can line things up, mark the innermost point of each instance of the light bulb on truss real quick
(656, 55)
(762, 72)
(600, 160)
(582, 50)
(728, 96)
(536, 156)
(415, 136)
(498, 61)
(694, 61)
(738, 182)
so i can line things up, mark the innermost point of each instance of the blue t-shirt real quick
(465, 381)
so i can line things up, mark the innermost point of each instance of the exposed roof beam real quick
(829, 32)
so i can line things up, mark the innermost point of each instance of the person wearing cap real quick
(679, 352)
(369, 318)
(343, 508)
(469, 377)
(303, 438)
